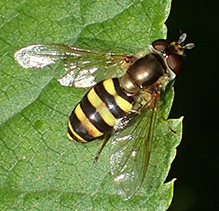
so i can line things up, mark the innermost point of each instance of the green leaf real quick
(39, 168)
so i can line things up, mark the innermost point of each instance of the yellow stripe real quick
(75, 134)
(101, 108)
(69, 137)
(121, 102)
(86, 123)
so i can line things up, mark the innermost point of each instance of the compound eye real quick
(160, 45)
(175, 62)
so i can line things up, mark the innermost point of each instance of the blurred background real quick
(196, 166)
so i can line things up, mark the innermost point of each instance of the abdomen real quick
(98, 111)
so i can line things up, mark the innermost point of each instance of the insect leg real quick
(168, 125)
(105, 139)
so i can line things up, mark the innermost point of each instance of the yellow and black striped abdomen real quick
(98, 111)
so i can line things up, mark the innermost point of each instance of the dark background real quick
(196, 166)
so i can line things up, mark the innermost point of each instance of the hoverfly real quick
(114, 108)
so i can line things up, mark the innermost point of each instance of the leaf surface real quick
(39, 168)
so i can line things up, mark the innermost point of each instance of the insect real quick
(120, 108)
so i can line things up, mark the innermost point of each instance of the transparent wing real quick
(130, 152)
(83, 67)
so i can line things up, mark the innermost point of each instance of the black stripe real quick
(73, 136)
(109, 100)
(120, 91)
(79, 128)
(89, 110)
